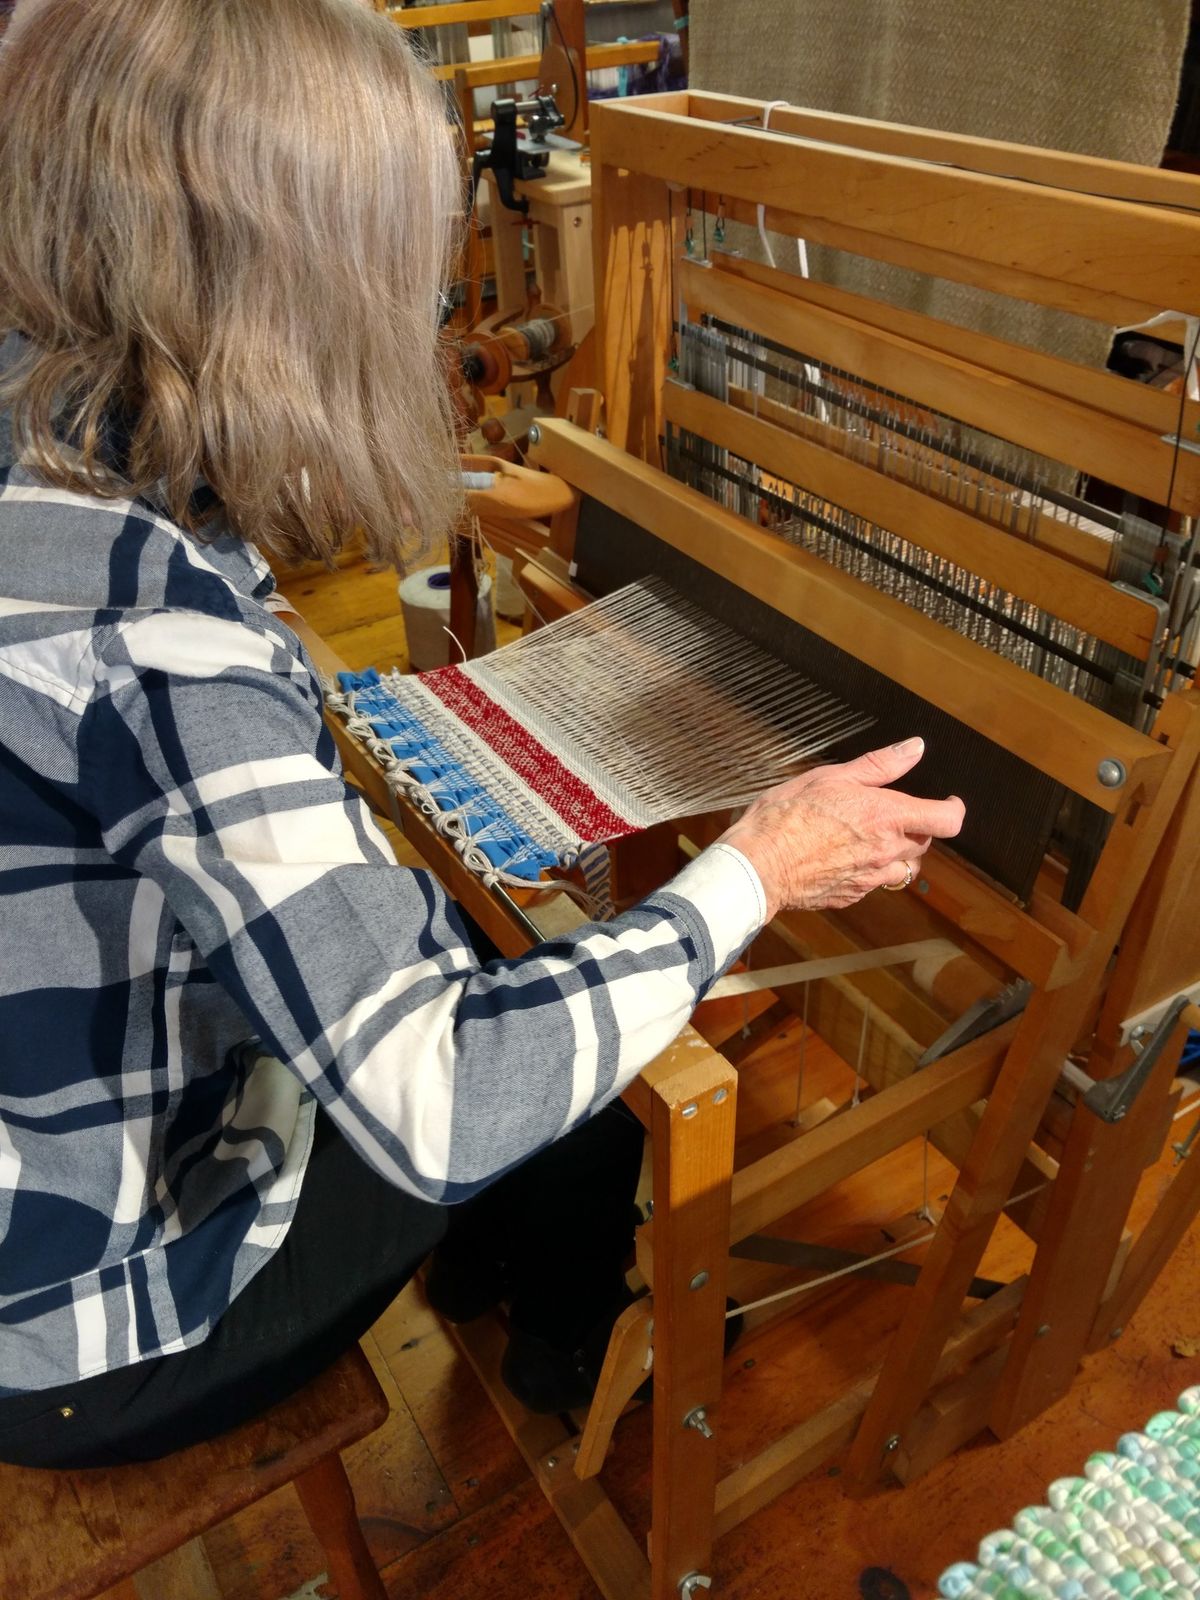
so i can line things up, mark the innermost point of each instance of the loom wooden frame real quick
(992, 1105)
(862, 183)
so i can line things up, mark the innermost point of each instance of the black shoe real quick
(462, 1286)
(546, 1378)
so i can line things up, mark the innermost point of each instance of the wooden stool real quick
(73, 1535)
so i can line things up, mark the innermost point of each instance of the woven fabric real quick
(1095, 79)
(509, 806)
(1128, 1529)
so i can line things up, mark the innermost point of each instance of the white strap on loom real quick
(1191, 340)
(929, 956)
(812, 373)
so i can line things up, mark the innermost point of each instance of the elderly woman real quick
(246, 1061)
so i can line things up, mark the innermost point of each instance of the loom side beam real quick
(1063, 427)
(1044, 726)
(1061, 238)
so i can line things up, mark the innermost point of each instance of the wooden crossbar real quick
(805, 1448)
(520, 69)
(1080, 546)
(1124, 398)
(464, 11)
(1062, 169)
(997, 221)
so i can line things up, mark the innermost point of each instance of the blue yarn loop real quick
(508, 847)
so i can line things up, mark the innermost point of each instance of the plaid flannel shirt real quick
(202, 934)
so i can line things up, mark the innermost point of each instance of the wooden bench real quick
(76, 1535)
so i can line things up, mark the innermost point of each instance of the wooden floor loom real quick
(853, 482)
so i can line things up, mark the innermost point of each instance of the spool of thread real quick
(531, 341)
(425, 606)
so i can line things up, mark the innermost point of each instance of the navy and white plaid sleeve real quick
(205, 759)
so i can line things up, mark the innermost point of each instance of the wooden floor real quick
(449, 1511)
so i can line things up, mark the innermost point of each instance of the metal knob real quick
(698, 1419)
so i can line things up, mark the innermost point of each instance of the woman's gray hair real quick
(225, 224)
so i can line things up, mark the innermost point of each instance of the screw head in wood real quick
(535, 434)
(699, 1281)
(891, 1444)
(690, 1111)
(1043, 1330)
(1111, 773)
(721, 1094)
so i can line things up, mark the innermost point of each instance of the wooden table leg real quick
(328, 1503)
(692, 1115)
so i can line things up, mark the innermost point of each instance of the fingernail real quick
(908, 747)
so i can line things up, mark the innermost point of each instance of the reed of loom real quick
(871, 458)
(1030, 224)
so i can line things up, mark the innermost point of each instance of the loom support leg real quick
(692, 1118)
(1097, 1179)
(464, 590)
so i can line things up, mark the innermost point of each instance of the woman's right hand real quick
(830, 836)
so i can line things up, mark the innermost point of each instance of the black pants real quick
(561, 1222)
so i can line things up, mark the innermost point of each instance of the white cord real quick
(859, 1266)
(862, 1050)
(803, 1060)
(811, 372)
(762, 210)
